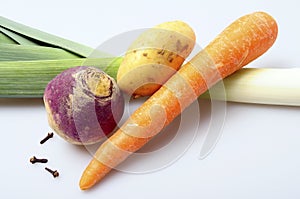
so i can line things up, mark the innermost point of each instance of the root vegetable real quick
(154, 57)
(83, 104)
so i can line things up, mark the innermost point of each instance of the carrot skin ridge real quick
(240, 43)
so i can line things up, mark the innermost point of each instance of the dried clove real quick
(49, 135)
(54, 173)
(37, 160)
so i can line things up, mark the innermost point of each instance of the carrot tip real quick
(85, 184)
(93, 174)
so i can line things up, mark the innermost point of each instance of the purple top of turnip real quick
(84, 104)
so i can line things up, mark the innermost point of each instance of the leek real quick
(17, 38)
(11, 52)
(28, 79)
(30, 58)
(4, 39)
(37, 36)
(275, 86)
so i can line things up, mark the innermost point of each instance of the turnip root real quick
(154, 57)
(83, 105)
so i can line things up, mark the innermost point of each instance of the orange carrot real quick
(243, 41)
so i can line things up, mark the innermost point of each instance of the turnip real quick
(83, 105)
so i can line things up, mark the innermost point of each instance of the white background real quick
(257, 155)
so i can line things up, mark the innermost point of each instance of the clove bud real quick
(49, 135)
(54, 173)
(37, 160)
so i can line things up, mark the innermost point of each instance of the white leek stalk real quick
(276, 86)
